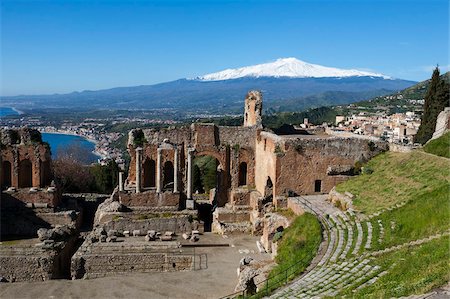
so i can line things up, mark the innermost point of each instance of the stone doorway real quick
(168, 175)
(149, 173)
(25, 174)
(6, 174)
(243, 174)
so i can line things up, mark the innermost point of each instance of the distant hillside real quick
(287, 84)
(409, 99)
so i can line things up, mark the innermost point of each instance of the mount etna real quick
(287, 84)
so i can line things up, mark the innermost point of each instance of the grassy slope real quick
(397, 177)
(300, 242)
(439, 146)
(425, 178)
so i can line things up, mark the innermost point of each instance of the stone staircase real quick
(344, 263)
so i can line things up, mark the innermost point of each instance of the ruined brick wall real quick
(266, 161)
(297, 162)
(231, 146)
(25, 159)
(150, 199)
(305, 160)
(253, 109)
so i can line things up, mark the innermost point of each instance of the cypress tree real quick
(436, 99)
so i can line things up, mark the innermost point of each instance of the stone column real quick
(175, 169)
(189, 201)
(120, 180)
(158, 171)
(138, 169)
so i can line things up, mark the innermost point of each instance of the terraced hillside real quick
(399, 245)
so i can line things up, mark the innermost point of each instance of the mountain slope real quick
(286, 67)
(227, 96)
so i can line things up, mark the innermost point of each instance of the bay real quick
(80, 147)
(5, 111)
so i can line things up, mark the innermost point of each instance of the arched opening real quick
(204, 174)
(25, 174)
(205, 177)
(268, 190)
(6, 174)
(46, 176)
(168, 175)
(149, 173)
(317, 186)
(243, 174)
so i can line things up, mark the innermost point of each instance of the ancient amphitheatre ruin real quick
(155, 237)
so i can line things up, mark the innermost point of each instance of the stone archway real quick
(243, 174)
(268, 190)
(149, 173)
(168, 175)
(25, 174)
(6, 174)
(45, 173)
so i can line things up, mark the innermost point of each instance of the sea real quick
(71, 144)
(4, 111)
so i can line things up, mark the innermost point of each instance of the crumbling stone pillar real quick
(138, 169)
(175, 170)
(120, 180)
(189, 201)
(158, 171)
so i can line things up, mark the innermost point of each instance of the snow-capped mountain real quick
(287, 67)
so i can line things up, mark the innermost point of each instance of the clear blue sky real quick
(63, 46)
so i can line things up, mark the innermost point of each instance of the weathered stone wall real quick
(19, 148)
(29, 262)
(442, 123)
(265, 162)
(294, 163)
(150, 198)
(176, 223)
(26, 265)
(102, 259)
(253, 109)
(51, 199)
(305, 160)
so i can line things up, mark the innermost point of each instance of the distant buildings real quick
(396, 128)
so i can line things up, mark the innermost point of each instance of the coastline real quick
(95, 142)
(19, 112)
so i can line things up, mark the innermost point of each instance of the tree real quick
(105, 177)
(436, 99)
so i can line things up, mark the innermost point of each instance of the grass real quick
(425, 215)
(298, 246)
(422, 181)
(414, 270)
(439, 146)
(397, 177)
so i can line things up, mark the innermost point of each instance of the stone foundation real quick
(150, 199)
(103, 259)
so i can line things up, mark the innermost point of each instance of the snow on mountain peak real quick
(286, 67)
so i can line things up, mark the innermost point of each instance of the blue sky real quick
(63, 46)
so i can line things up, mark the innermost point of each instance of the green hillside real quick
(410, 191)
(409, 99)
(439, 146)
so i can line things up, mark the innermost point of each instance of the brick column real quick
(138, 169)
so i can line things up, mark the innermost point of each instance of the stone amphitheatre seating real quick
(341, 261)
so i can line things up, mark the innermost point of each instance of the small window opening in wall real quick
(265, 144)
(173, 265)
(318, 186)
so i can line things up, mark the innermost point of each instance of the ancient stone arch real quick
(149, 173)
(25, 173)
(243, 174)
(168, 175)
